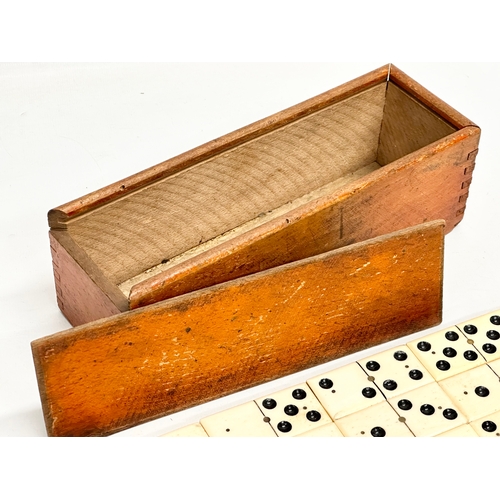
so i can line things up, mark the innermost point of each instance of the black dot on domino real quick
(470, 329)
(443, 365)
(299, 394)
(450, 414)
(377, 432)
(284, 426)
(489, 348)
(400, 356)
(313, 416)
(493, 335)
(495, 320)
(390, 385)
(452, 336)
(291, 410)
(373, 366)
(405, 404)
(424, 346)
(269, 404)
(449, 352)
(415, 374)
(427, 409)
(482, 391)
(489, 426)
(369, 392)
(325, 383)
(470, 355)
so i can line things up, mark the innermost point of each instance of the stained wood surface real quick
(80, 294)
(131, 368)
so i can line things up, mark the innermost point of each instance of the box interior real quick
(150, 230)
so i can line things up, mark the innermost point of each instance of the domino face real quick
(293, 411)
(488, 426)
(485, 333)
(242, 421)
(376, 421)
(345, 390)
(428, 411)
(475, 392)
(446, 353)
(396, 371)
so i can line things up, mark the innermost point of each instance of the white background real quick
(42, 169)
(68, 129)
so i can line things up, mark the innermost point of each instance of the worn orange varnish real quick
(118, 372)
(375, 155)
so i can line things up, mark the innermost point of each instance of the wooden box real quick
(117, 372)
(375, 155)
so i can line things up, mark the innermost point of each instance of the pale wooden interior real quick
(407, 126)
(150, 230)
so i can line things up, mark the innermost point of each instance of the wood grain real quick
(115, 373)
(428, 99)
(431, 183)
(326, 173)
(407, 126)
(137, 232)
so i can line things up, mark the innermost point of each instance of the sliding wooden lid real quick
(115, 373)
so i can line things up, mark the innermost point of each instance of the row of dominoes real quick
(444, 384)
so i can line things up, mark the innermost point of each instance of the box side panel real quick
(80, 299)
(137, 366)
(407, 126)
(430, 184)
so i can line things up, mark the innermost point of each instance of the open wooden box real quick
(372, 156)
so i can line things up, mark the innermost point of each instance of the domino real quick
(446, 353)
(484, 333)
(245, 420)
(475, 392)
(488, 426)
(428, 411)
(396, 371)
(375, 421)
(193, 430)
(293, 411)
(345, 390)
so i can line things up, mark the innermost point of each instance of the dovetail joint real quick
(472, 155)
(469, 169)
